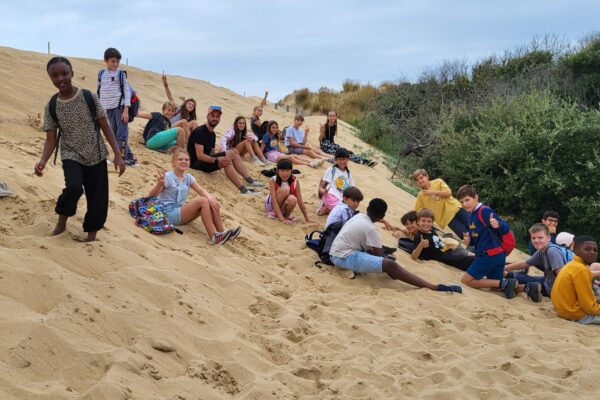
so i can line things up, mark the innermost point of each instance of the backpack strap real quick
(52, 110)
(122, 84)
(480, 216)
(100, 73)
(87, 96)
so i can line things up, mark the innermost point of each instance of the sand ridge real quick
(136, 316)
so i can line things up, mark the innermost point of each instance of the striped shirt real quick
(110, 90)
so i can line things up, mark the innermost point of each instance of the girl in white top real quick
(172, 190)
(334, 181)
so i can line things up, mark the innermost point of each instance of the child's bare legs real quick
(193, 125)
(257, 150)
(313, 154)
(199, 207)
(287, 202)
(294, 159)
(320, 153)
(181, 137)
(183, 124)
(479, 283)
(244, 147)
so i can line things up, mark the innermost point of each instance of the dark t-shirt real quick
(270, 143)
(204, 137)
(259, 130)
(436, 246)
(156, 124)
(330, 133)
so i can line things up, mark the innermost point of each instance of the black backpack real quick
(135, 100)
(322, 244)
(87, 95)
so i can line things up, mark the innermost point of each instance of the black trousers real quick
(94, 180)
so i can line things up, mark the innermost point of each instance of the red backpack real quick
(508, 241)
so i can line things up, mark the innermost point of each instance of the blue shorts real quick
(359, 261)
(491, 267)
(173, 213)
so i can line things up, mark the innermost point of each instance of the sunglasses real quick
(215, 108)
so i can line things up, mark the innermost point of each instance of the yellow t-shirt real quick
(444, 208)
(572, 293)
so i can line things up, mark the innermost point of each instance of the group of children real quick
(74, 117)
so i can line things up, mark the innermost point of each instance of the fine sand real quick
(137, 316)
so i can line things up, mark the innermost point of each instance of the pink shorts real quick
(330, 201)
(274, 155)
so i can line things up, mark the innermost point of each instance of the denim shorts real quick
(173, 213)
(359, 261)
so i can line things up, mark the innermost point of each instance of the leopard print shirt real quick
(79, 141)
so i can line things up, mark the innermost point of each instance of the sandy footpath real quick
(137, 316)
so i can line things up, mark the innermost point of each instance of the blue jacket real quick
(485, 238)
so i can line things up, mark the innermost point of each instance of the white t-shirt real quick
(296, 133)
(358, 234)
(338, 180)
(340, 213)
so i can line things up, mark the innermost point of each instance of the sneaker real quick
(221, 237)
(256, 161)
(371, 163)
(509, 287)
(257, 185)
(330, 160)
(267, 162)
(249, 191)
(5, 192)
(132, 162)
(534, 291)
(235, 233)
(316, 163)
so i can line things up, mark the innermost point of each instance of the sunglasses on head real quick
(215, 108)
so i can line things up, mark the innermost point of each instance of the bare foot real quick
(61, 225)
(91, 237)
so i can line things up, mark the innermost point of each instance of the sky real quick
(280, 46)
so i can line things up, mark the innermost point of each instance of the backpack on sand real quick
(87, 95)
(322, 244)
(135, 100)
(508, 241)
(148, 214)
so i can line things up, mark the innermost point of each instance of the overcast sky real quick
(250, 46)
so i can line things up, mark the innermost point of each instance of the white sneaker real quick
(256, 161)
(316, 163)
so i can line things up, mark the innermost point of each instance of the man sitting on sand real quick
(358, 248)
(201, 147)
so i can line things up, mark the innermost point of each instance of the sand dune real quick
(135, 316)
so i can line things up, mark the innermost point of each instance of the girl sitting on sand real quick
(238, 137)
(327, 140)
(185, 115)
(270, 148)
(172, 190)
(284, 194)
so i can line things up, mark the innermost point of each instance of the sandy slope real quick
(135, 316)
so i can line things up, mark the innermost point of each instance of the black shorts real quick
(205, 167)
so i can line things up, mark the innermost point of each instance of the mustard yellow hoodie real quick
(572, 293)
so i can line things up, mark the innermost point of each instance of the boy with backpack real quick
(351, 198)
(358, 247)
(486, 234)
(548, 257)
(115, 96)
(550, 219)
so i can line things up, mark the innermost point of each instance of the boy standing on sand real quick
(572, 293)
(115, 96)
(487, 271)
